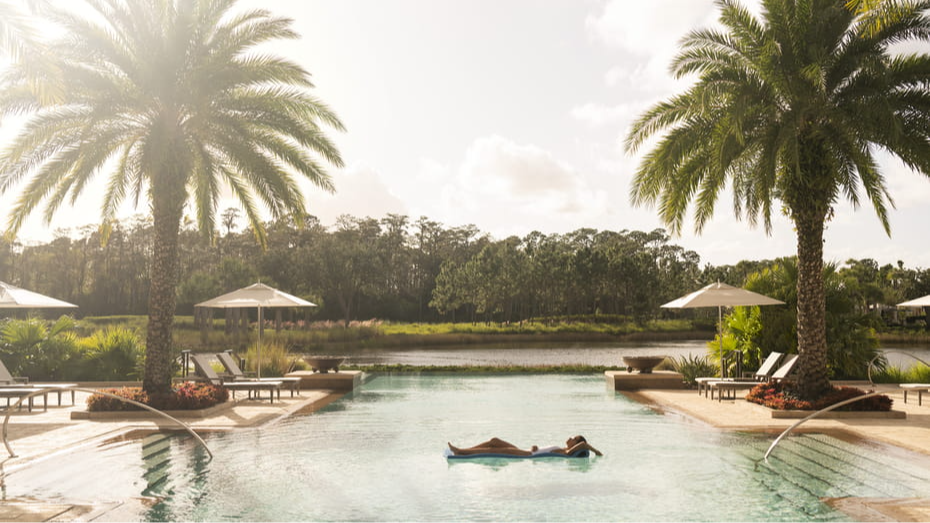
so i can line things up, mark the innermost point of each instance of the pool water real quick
(376, 455)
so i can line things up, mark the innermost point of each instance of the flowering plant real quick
(775, 396)
(184, 396)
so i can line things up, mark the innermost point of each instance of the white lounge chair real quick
(232, 368)
(7, 379)
(18, 392)
(919, 387)
(206, 372)
(732, 386)
(763, 374)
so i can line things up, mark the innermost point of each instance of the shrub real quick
(114, 353)
(893, 374)
(775, 396)
(276, 360)
(184, 396)
(40, 349)
(693, 367)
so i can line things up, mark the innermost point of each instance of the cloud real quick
(525, 171)
(361, 191)
(642, 28)
(599, 114)
(508, 188)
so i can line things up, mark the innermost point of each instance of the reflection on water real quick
(560, 353)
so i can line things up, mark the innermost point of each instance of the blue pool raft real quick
(579, 454)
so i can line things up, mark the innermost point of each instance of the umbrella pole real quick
(261, 322)
(720, 336)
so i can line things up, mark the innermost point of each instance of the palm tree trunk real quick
(812, 379)
(167, 207)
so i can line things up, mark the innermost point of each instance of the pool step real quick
(156, 454)
(155, 444)
(826, 467)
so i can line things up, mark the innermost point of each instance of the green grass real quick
(324, 335)
(629, 327)
(892, 374)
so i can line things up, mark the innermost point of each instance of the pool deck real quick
(911, 433)
(40, 435)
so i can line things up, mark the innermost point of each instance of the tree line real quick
(400, 269)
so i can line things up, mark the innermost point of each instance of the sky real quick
(511, 115)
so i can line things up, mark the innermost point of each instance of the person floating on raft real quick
(574, 446)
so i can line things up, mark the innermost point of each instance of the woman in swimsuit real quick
(499, 446)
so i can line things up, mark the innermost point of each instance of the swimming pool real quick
(376, 455)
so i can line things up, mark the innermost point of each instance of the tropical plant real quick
(276, 360)
(851, 340)
(791, 107)
(165, 97)
(38, 349)
(692, 367)
(740, 329)
(114, 353)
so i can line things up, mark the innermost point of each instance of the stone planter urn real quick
(643, 364)
(323, 364)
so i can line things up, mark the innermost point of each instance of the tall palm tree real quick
(789, 107)
(165, 98)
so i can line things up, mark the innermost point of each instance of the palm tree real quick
(19, 40)
(16, 31)
(885, 7)
(789, 107)
(164, 96)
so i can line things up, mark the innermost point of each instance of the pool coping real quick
(836, 414)
(146, 415)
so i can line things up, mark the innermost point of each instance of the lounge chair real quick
(233, 371)
(919, 387)
(763, 374)
(18, 392)
(781, 374)
(205, 371)
(7, 379)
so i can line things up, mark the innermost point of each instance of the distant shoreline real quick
(421, 340)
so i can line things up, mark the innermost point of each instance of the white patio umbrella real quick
(923, 301)
(260, 296)
(721, 295)
(12, 297)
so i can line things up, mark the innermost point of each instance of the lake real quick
(562, 353)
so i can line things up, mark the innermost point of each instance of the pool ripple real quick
(376, 455)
